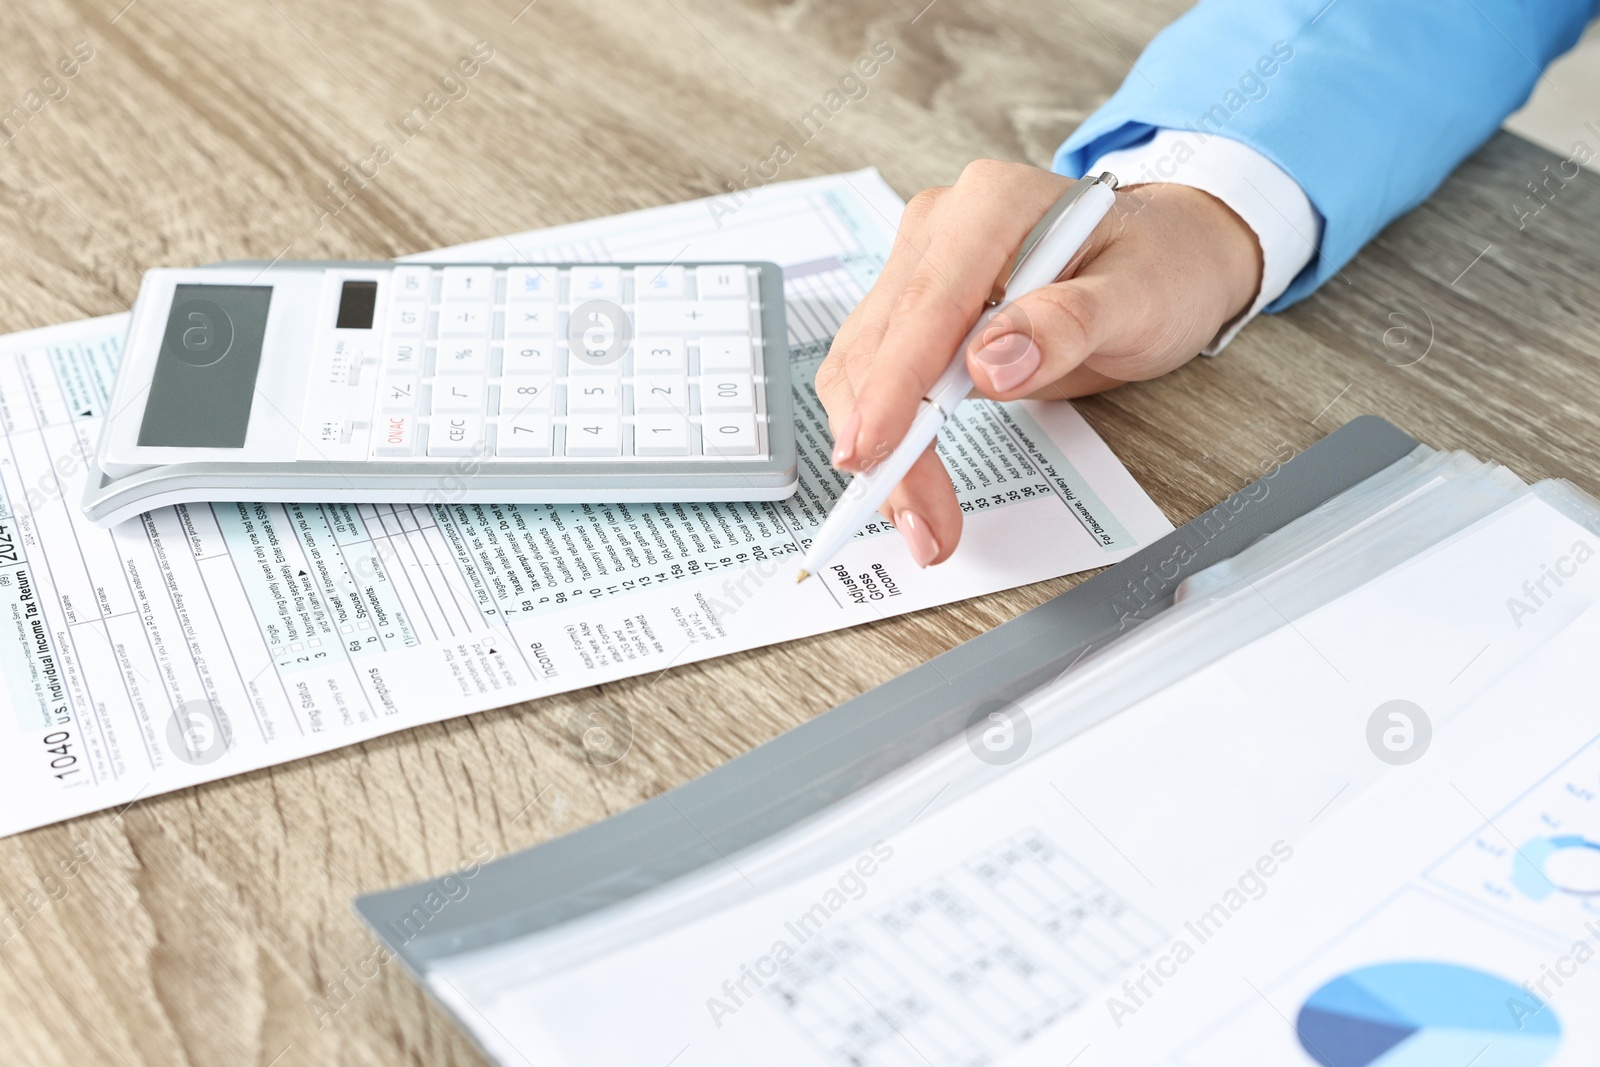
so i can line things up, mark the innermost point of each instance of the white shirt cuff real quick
(1257, 190)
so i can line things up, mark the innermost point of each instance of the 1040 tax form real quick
(198, 642)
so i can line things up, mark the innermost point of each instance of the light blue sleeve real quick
(1368, 104)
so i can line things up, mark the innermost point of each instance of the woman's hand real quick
(1163, 273)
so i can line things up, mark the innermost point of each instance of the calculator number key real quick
(526, 433)
(594, 394)
(521, 394)
(598, 335)
(729, 392)
(595, 435)
(661, 435)
(659, 355)
(730, 435)
(528, 357)
(661, 396)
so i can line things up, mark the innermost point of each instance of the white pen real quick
(1044, 254)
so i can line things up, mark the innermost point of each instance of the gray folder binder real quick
(798, 774)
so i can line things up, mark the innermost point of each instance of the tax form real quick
(198, 642)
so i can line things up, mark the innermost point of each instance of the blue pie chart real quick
(1563, 864)
(1418, 1013)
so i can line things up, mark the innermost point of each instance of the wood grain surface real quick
(209, 926)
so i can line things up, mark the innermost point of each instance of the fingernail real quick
(1009, 359)
(918, 537)
(844, 448)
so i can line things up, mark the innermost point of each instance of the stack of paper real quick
(199, 642)
(1339, 806)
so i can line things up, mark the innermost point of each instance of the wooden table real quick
(210, 923)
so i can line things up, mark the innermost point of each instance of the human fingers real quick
(972, 233)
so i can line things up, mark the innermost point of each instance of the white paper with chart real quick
(200, 642)
(1226, 873)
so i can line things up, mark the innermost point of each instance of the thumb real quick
(1043, 336)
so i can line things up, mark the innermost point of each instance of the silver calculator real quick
(411, 383)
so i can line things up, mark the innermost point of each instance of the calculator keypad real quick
(588, 362)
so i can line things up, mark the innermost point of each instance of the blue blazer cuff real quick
(1369, 106)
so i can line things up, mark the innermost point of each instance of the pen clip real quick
(1044, 226)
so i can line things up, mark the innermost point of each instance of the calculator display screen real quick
(205, 376)
(357, 301)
